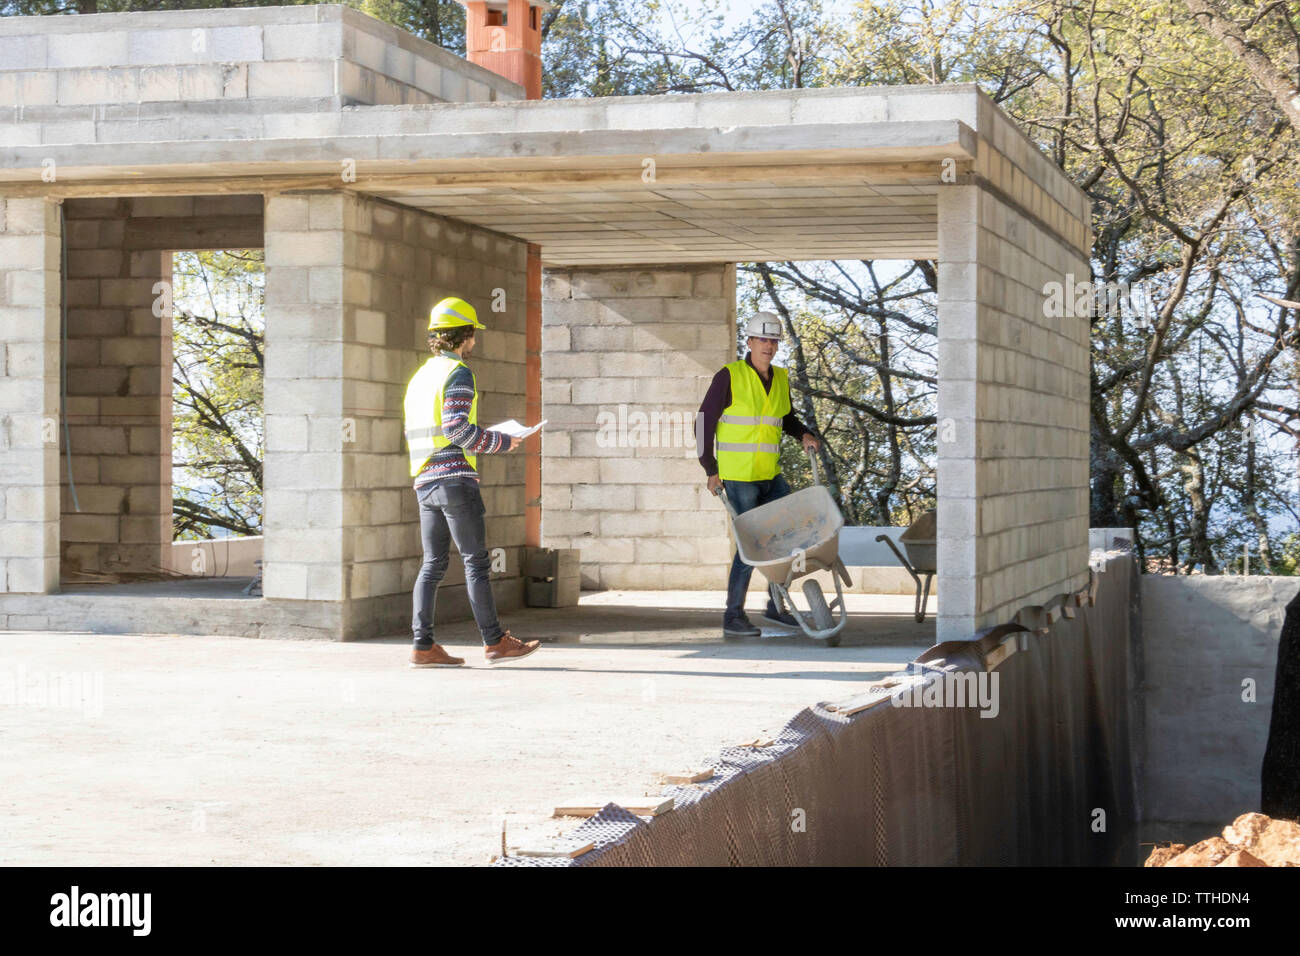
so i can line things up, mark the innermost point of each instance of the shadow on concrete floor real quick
(870, 624)
(180, 587)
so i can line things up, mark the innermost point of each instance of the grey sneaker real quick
(739, 627)
(780, 618)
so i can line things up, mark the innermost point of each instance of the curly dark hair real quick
(449, 339)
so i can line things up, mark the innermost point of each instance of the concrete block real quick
(314, 248)
(90, 528)
(321, 41)
(290, 78)
(69, 50)
(667, 551)
(600, 550)
(668, 498)
(598, 391)
(604, 497)
(600, 338)
(570, 471)
(30, 575)
(29, 88)
(637, 576)
(23, 52)
(648, 365)
(572, 365)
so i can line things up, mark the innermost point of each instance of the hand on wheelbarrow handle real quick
(812, 463)
(721, 493)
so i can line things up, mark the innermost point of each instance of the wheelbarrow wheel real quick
(820, 610)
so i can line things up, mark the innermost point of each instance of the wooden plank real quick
(1000, 653)
(554, 848)
(691, 776)
(640, 806)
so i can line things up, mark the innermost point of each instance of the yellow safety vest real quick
(749, 431)
(423, 408)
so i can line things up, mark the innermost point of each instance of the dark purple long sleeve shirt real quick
(718, 397)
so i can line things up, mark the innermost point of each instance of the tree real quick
(218, 361)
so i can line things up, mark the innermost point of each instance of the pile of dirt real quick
(1252, 839)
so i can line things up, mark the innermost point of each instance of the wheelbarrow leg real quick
(922, 598)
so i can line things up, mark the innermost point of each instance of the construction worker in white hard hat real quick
(745, 412)
(444, 440)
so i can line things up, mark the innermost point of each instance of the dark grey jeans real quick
(452, 510)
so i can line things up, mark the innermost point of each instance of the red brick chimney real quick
(505, 36)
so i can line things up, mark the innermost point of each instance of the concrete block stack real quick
(627, 356)
(274, 71)
(350, 282)
(29, 395)
(1013, 392)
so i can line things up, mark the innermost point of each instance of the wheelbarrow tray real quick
(919, 540)
(805, 523)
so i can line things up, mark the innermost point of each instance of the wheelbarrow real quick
(919, 540)
(792, 537)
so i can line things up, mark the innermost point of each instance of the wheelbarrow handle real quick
(721, 494)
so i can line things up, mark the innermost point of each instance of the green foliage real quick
(218, 344)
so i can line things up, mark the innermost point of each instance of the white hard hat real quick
(763, 325)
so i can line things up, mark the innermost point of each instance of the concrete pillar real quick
(627, 355)
(1013, 413)
(350, 282)
(29, 395)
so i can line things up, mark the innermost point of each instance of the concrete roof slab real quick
(730, 176)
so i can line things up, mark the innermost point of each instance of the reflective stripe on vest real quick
(423, 411)
(749, 430)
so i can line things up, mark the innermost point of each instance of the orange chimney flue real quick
(505, 36)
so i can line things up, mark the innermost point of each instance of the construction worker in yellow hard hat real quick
(444, 439)
(746, 411)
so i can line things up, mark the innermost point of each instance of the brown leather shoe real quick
(434, 657)
(509, 648)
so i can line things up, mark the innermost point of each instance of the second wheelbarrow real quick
(792, 537)
(919, 540)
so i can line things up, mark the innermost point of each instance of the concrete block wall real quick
(29, 395)
(120, 76)
(120, 368)
(350, 282)
(619, 343)
(1012, 409)
(1202, 639)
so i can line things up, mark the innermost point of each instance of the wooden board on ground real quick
(640, 806)
(694, 776)
(554, 848)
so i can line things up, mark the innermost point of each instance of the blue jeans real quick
(743, 496)
(452, 509)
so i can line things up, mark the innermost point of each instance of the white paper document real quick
(516, 430)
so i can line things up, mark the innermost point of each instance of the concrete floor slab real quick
(166, 750)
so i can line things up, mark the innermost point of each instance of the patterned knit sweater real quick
(449, 462)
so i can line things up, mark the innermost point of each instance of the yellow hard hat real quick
(452, 312)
